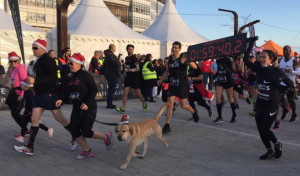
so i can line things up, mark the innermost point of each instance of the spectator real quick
(95, 62)
(52, 54)
(150, 78)
(112, 72)
(205, 68)
(2, 70)
(159, 72)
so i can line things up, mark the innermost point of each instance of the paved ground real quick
(194, 148)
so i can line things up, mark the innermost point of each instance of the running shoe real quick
(166, 129)
(195, 115)
(278, 150)
(85, 154)
(121, 110)
(276, 125)
(218, 120)
(74, 145)
(175, 106)
(268, 155)
(248, 100)
(284, 113)
(108, 141)
(252, 112)
(144, 107)
(293, 118)
(234, 116)
(24, 149)
(19, 139)
(27, 133)
(50, 132)
(237, 106)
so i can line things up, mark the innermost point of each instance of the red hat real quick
(13, 55)
(25, 83)
(41, 43)
(124, 119)
(296, 54)
(78, 58)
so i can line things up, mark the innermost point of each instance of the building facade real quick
(137, 14)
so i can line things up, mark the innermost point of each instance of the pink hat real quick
(124, 119)
(78, 58)
(41, 43)
(25, 83)
(13, 55)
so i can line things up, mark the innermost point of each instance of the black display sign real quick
(218, 48)
(15, 13)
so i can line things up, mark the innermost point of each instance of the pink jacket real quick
(17, 75)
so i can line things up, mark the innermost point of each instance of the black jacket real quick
(112, 66)
(45, 74)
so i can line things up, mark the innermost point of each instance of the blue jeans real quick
(110, 92)
(205, 78)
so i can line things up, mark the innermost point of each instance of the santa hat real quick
(41, 43)
(13, 55)
(25, 83)
(78, 58)
(296, 54)
(124, 119)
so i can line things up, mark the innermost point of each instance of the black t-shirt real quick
(225, 70)
(81, 88)
(195, 73)
(268, 81)
(178, 72)
(131, 62)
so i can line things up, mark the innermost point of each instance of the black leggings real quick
(264, 121)
(15, 109)
(198, 98)
(290, 98)
(26, 118)
(82, 122)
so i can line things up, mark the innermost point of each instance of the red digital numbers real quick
(221, 49)
(236, 49)
(211, 51)
(204, 53)
(227, 48)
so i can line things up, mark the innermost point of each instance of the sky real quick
(279, 19)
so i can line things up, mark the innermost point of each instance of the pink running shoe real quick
(50, 132)
(108, 141)
(85, 154)
(19, 139)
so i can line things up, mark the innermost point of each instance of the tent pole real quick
(62, 24)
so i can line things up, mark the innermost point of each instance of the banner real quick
(15, 13)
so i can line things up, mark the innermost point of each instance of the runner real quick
(81, 90)
(132, 79)
(266, 107)
(197, 91)
(289, 64)
(178, 84)
(45, 96)
(224, 80)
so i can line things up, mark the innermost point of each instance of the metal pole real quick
(247, 25)
(236, 19)
(62, 23)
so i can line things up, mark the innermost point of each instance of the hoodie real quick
(17, 75)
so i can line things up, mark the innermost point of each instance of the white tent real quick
(93, 27)
(169, 27)
(9, 41)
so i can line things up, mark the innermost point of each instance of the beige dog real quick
(137, 133)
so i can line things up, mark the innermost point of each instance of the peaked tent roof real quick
(93, 18)
(169, 26)
(8, 24)
(270, 45)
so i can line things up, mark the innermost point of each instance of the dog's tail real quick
(160, 111)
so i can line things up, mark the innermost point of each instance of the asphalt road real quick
(201, 148)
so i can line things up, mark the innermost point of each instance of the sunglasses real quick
(70, 63)
(15, 61)
(35, 48)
